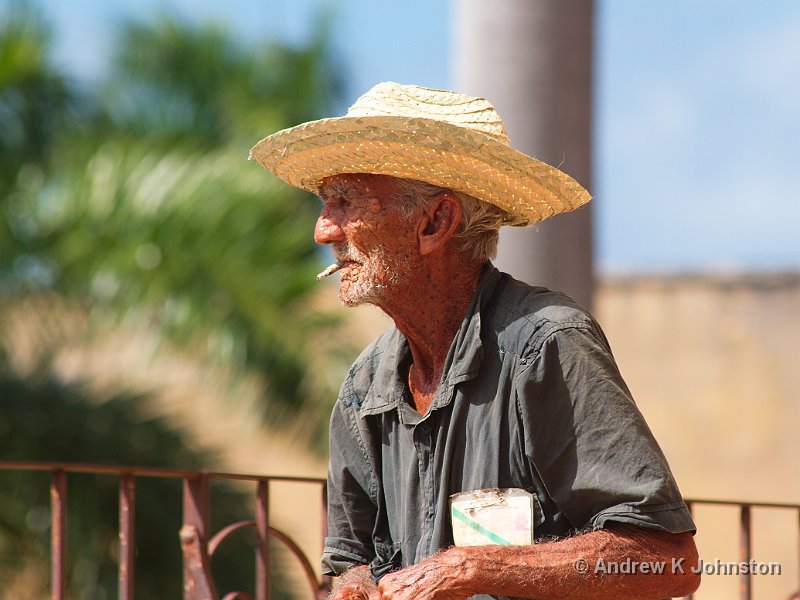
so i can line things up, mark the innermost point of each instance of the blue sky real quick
(697, 121)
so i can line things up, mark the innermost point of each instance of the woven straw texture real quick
(443, 138)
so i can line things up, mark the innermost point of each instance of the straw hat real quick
(439, 137)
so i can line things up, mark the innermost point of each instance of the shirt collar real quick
(462, 364)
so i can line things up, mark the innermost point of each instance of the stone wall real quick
(714, 365)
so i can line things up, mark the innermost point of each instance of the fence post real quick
(127, 535)
(58, 534)
(263, 591)
(197, 581)
(745, 583)
(325, 585)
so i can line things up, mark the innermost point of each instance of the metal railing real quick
(197, 541)
(199, 544)
(746, 536)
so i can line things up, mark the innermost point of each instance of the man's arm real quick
(584, 567)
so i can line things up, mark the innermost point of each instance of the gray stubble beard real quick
(379, 275)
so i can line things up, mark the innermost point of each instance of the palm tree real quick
(136, 202)
(156, 210)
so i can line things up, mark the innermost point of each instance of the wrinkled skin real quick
(367, 235)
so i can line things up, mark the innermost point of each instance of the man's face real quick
(368, 236)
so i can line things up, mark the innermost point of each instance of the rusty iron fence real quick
(197, 541)
(746, 536)
(199, 544)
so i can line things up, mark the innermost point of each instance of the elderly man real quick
(485, 385)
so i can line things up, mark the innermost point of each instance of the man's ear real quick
(439, 222)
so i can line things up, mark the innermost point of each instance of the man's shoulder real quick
(524, 304)
(524, 315)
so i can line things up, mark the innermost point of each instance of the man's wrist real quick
(355, 578)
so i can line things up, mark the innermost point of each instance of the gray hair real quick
(479, 229)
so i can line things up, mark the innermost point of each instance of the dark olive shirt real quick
(530, 398)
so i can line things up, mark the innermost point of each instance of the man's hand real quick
(439, 577)
(355, 584)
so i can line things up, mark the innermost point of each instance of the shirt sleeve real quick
(351, 506)
(587, 440)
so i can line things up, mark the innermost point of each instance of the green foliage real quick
(37, 104)
(150, 205)
(180, 235)
(171, 81)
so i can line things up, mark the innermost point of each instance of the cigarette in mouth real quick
(330, 270)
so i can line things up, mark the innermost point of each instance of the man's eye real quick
(336, 201)
(329, 201)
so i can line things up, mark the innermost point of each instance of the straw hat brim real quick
(427, 150)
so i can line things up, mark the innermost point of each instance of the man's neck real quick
(429, 313)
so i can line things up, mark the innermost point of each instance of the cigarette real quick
(330, 270)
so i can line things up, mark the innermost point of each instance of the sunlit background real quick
(157, 299)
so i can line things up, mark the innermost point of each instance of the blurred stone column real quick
(533, 60)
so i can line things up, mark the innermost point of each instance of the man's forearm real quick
(563, 569)
(588, 567)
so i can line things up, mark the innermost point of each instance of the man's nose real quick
(327, 230)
